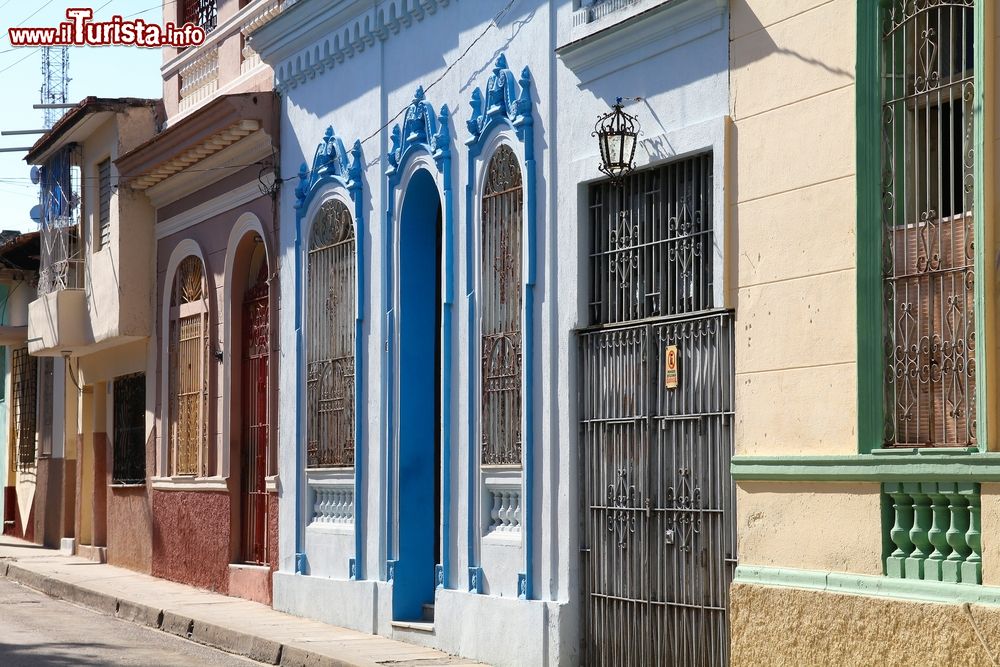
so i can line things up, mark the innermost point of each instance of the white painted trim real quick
(330, 476)
(190, 483)
(272, 483)
(621, 38)
(182, 250)
(236, 197)
(247, 223)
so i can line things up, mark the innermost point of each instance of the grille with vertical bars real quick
(500, 310)
(25, 406)
(659, 540)
(651, 243)
(256, 430)
(129, 397)
(203, 13)
(188, 370)
(330, 343)
(928, 90)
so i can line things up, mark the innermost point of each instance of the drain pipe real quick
(300, 556)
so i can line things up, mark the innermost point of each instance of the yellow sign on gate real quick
(670, 370)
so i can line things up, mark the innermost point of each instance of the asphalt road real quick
(38, 631)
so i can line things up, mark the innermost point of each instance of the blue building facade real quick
(436, 255)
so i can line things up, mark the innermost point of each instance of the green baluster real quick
(902, 505)
(940, 519)
(951, 569)
(914, 565)
(972, 568)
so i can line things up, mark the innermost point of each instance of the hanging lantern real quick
(616, 132)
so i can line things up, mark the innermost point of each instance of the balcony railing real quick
(594, 10)
(62, 266)
(935, 531)
(199, 78)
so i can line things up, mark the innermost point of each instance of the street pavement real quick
(39, 631)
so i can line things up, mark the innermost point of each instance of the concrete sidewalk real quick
(230, 624)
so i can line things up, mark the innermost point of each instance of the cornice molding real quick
(226, 162)
(313, 36)
(595, 48)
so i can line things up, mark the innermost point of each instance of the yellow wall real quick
(792, 99)
(810, 525)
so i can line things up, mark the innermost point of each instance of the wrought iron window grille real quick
(188, 370)
(500, 310)
(928, 185)
(25, 407)
(330, 307)
(129, 441)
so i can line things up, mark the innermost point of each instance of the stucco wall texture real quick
(191, 538)
(792, 104)
(130, 528)
(789, 627)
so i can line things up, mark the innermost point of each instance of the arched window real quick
(330, 340)
(500, 310)
(188, 362)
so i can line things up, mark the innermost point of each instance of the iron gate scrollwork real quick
(658, 536)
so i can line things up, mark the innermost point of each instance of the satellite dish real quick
(36, 175)
(36, 213)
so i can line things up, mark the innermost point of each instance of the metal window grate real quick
(129, 464)
(651, 243)
(188, 370)
(104, 201)
(928, 91)
(25, 406)
(203, 13)
(330, 347)
(256, 428)
(500, 310)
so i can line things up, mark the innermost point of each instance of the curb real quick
(256, 648)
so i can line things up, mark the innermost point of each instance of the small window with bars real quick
(129, 464)
(104, 203)
(928, 183)
(25, 391)
(202, 13)
(652, 243)
(330, 342)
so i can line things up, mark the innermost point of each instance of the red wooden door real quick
(256, 343)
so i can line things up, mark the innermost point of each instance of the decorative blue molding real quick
(390, 570)
(475, 580)
(352, 568)
(505, 105)
(439, 576)
(421, 132)
(330, 169)
(522, 586)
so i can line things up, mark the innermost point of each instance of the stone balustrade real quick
(333, 506)
(200, 78)
(935, 531)
(505, 510)
(258, 14)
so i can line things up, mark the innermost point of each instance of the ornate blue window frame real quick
(422, 132)
(331, 170)
(506, 105)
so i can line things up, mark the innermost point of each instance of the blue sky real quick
(102, 71)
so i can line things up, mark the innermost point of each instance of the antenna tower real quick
(55, 81)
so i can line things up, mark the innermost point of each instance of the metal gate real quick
(656, 408)
(256, 340)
